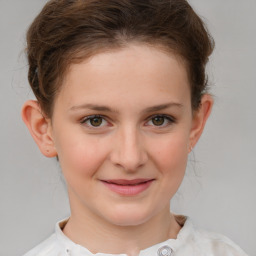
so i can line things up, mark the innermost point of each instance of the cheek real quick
(170, 159)
(80, 157)
(171, 155)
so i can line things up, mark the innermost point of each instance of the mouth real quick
(128, 187)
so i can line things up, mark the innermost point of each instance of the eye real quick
(158, 120)
(161, 120)
(94, 121)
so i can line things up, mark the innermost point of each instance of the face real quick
(121, 127)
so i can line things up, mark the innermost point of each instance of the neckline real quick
(183, 236)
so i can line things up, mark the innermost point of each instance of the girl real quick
(121, 102)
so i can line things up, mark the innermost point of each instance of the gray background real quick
(219, 189)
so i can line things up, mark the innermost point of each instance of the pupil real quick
(96, 121)
(158, 120)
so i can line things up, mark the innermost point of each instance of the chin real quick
(129, 216)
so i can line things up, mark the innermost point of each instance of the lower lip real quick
(128, 190)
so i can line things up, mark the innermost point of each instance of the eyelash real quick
(169, 119)
(90, 118)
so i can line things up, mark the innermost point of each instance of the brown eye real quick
(161, 121)
(158, 120)
(96, 121)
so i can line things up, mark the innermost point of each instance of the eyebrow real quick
(92, 107)
(107, 109)
(162, 107)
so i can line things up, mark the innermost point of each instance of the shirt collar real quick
(166, 248)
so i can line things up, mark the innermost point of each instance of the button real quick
(165, 251)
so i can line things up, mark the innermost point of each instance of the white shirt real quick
(190, 242)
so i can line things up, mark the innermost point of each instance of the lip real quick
(128, 187)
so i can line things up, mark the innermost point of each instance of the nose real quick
(128, 151)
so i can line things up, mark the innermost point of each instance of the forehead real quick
(135, 71)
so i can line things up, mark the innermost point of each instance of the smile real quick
(128, 187)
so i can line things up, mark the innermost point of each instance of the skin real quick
(127, 88)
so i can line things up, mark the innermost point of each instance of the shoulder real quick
(48, 247)
(56, 244)
(216, 244)
(195, 241)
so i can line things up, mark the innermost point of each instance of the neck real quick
(98, 235)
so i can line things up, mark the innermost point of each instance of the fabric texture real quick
(189, 242)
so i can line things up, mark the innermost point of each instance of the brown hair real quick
(68, 31)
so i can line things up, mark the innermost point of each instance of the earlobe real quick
(39, 127)
(199, 119)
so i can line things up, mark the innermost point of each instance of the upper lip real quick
(127, 182)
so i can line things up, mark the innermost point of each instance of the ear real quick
(200, 117)
(40, 127)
